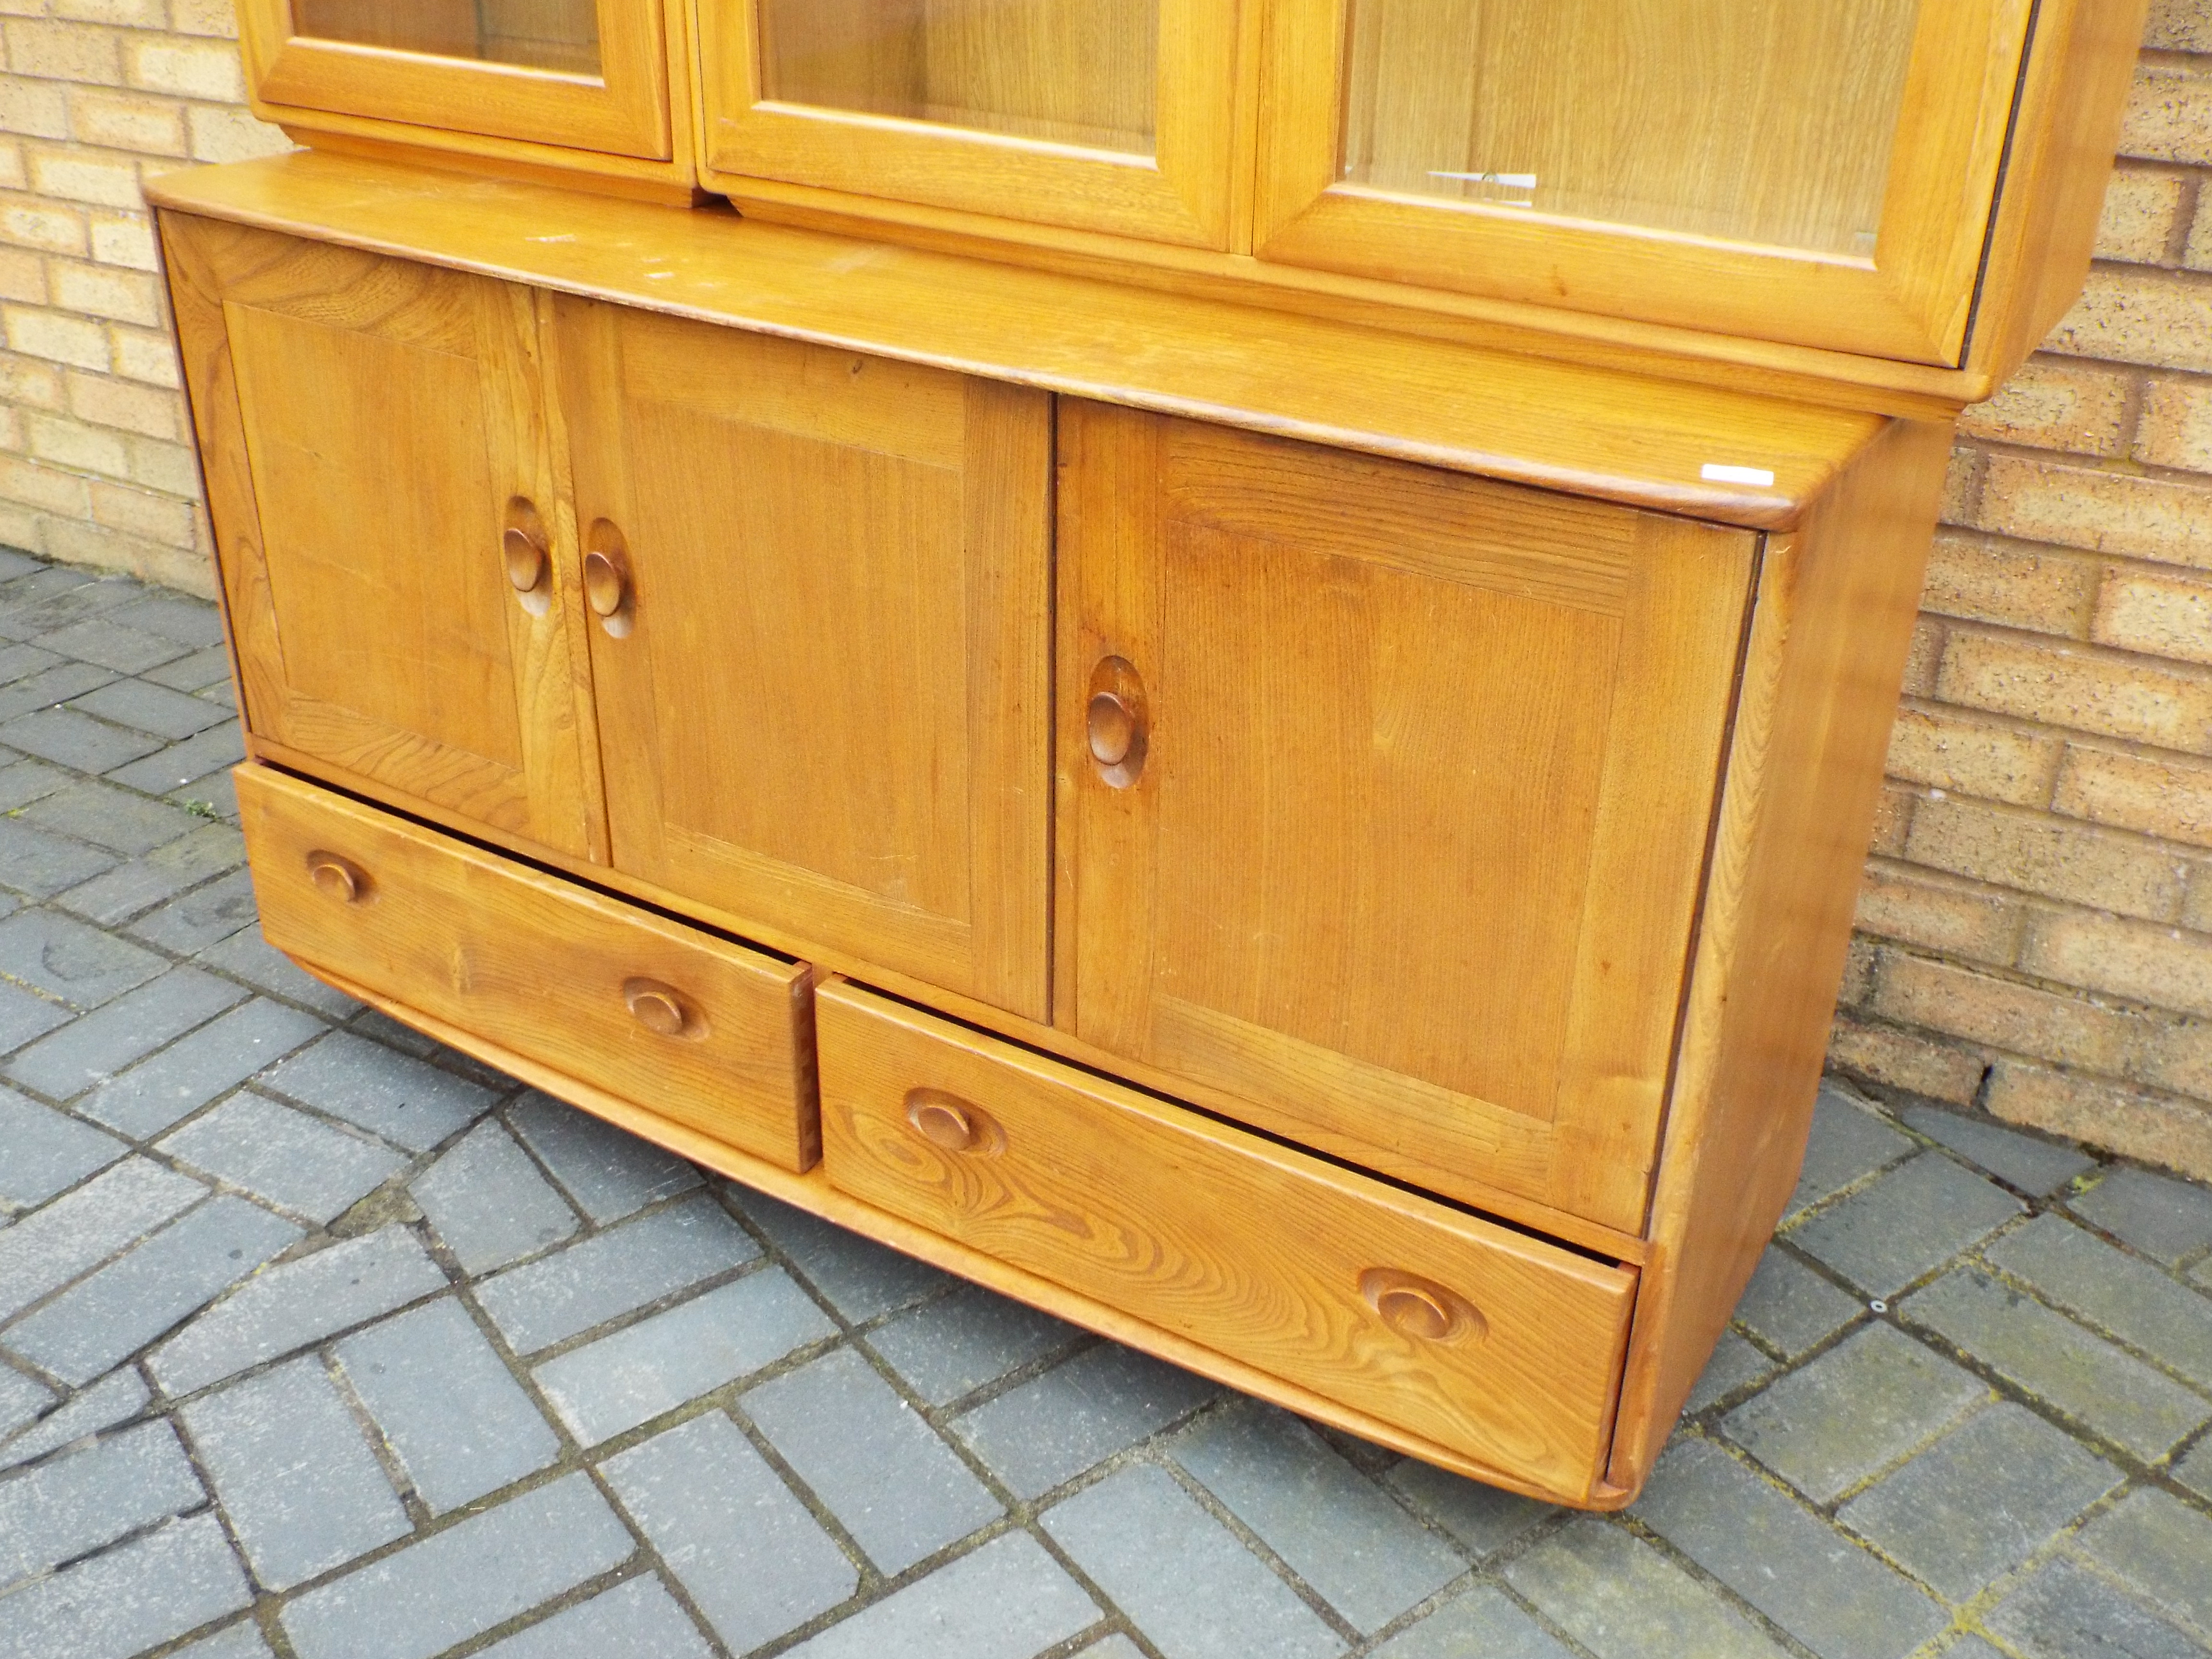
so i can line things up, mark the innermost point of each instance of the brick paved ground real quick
(318, 1340)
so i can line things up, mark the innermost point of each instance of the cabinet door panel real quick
(372, 429)
(1411, 858)
(827, 713)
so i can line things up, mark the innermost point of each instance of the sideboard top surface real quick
(1661, 445)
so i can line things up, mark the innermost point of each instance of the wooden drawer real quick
(708, 1033)
(1484, 1339)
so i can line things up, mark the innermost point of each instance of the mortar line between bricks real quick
(2142, 1356)
(502, 1114)
(1635, 1527)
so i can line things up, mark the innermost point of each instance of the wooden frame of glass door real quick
(1912, 299)
(1180, 193)
(622, 111)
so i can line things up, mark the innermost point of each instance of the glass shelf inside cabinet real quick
(1759, 121)
(1078, 72)
(561, 36)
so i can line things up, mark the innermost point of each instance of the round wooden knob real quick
(606, 586)
(659, 1008)
(1419, 1308)
(525, 559)
(343, 879)
(1411, 1311)
(943, 1119)
(1113, 728)
(1115, 721)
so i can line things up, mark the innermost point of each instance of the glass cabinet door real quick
(580, 74)
(1819, 172)
(1111, 115)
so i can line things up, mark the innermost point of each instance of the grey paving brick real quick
(2113, 1393)
(1862, 1405)
(860, 1278)
(458, 1423)
(901, 1491)
(1790, 1308)
(1792, 1565)
(408, 1103)
(1623, 1600)
(50, 687)
(116, 1398)
(1182, 1577)
(609, 1172)
(55, 597)
(1008, 1600)
(284, 1157)
(2063, 1611)
(181, 763)
(45, 1250)
(151, 708)
(2195, 1470)
(1333, 1527)
(1483, 1623)
(298, 1481)
(191, 921)
(130, 887)
(2165, 1219)
(1981, 1500)
(638, 1619)
(954, 1345)
(214, 793)
(196, 1068)
(104, 1042)
(133, 1300)
(1482, 1518)
(2111, 1290)
(488, 1203)
(152, 1589)
(111, 644)
(1113, 1645)
(2039, 1167)
(68, 738)
(1735, 1363)
(1906, 1224)
(2163, 1549)
(750, 1556)
(294, 1303)
(1847, 1142)
(1078, 1414)
(247, 955)
(38, 865)
(23, 1015)
(241, 1641)
(188, 622)
(14, 564)
(461, 1582)
(610, 1273)
(21, 1399)
(46, 1151)
(18, 660)
(26, 780)
(77, 1503)
(610, 1386)
(116, 819)
(61, 957)
(199, 671)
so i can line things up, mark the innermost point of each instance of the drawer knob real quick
(945, 1119)
(525, 560)
(607, 586)
(1419, 1308)
(1115, 721)
(342, 879)
(660, 1008)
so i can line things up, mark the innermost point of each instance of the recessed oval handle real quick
(607, 589)
(1115, 721)
(528, 558)
(944, 1119)
(1420, 1309)
(340, 879)
(662, 1009)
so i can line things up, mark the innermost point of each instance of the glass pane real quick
(1766, 121)
(1068, 71)
(546, 35)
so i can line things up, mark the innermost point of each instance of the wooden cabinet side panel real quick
(1830, 632)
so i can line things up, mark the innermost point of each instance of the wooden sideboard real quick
(1225, 665)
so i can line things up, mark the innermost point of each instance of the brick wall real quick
(2036, 927)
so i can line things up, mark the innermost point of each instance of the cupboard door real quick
(384, 503)
(581, 74)
(1108, 115)
(1817, 173)
(1385, 796)
(823, 673)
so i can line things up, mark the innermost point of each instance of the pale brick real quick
(22, 276)
(12, 176)
(171, 467)
(21, 528)
(61, 339)
(2158, 1129)
(2142, 211)
(2198, 256)
(2162, 796)
(1859, 961)
(27, 381)
(1893, 820)
(2082, 687)
(1905, 1059)
(211, 17)
(106, 401)
(2179, 25)
(118, 14)
(124, 120)
(76, 542)
(2165, 967)
(125, 238)
(2006, 847)
(2179, 1058)
(2177, 425)
(1962, 482)
(37, 109)
(2155, 613)
(188, 68)
(11, 429)
(2105, 512)
(1933, 912)
(33, 485)
(47, 227)
(233, 135)
(2056, 403)
(2136, 316)
(1982, 580)
(145, 356)
(2006, 1014)
(2196, 909)
(138, 512)
(2169, 117)
(123, 296)
(66, 442)
(82, 176)
(62, 52)
(1925, 657)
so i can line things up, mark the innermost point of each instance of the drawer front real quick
(707, 1033)
(1483, 1339)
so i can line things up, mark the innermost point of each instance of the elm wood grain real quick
(713, 1035)
(671, 182)
(368, 426)
(852, 557)
(1410, 865)
(1829, 633)
(1302, 1269)
(1569, 426)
